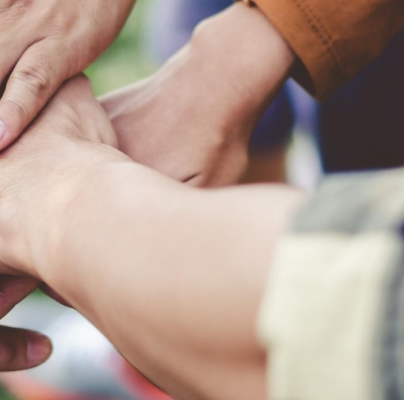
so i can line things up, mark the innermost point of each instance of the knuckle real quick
(61, 22)
(36, 79)
(15, 5)
(19, 110)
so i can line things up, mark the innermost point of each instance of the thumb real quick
(21, 349)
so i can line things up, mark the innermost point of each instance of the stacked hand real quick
(191, 121)
(44, 43)
(50, 154)
(42, 46)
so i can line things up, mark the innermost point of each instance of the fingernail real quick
(3, 130)
(39, 348)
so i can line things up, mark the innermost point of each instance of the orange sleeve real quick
(335, 39)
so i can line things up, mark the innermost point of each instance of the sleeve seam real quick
(318, 27)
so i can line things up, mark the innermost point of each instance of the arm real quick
(171, 274)
(194, 118)
(42, 43)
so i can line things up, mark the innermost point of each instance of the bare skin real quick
(180, 361)
(193, 120)
(20, 349)
(179, 291)
(171, 274)
(43, 44)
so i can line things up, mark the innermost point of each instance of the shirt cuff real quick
(308, 37)
(333, 315)
(335, 39)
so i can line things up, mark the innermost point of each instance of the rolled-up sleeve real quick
(333, 315)
(335, 39)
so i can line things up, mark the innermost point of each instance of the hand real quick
(19, 349)
(44, 43)
(73, 115)
(193, 119)
(35, 181)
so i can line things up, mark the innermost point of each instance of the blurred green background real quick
(4, 395)
(125, 61)
(122, 64)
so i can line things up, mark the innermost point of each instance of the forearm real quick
(242, 55)
(223, 79)
(173, 276)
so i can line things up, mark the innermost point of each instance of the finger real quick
(34, 80)
(13, 290)
(21, 349)
(8, 63)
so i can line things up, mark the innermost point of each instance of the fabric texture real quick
(333, 315)
(335, 39)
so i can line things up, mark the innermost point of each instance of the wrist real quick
(251, 59)
(57, 208)
(97, 220)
